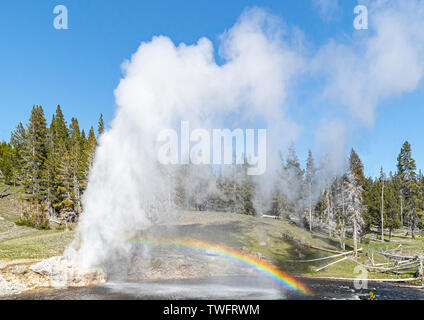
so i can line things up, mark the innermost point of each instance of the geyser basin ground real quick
(181, 273)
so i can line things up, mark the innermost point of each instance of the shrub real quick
(33, 215)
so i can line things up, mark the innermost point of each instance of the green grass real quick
(279, 251)
(22, 242)
(36, 246)
(246, 233)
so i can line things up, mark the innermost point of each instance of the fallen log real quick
(3, 194)
(5, 190)
(401, 267)
(270, 217)
(395, 256)
(325, 258)
(381, 264)
(55, 221)
(406, 270)
(330, 264)
(399, 264)
(372, 280)
(318, 248)
(322, 249)
(406, 286)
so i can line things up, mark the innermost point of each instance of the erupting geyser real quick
(162, 85)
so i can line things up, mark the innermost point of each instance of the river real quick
(226, 288)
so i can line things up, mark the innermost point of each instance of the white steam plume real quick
(162, 85)
(385, 61)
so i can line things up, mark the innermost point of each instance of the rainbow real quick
(209, 248)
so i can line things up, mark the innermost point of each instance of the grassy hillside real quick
(277, 241)
(280, 241)
(21, 242)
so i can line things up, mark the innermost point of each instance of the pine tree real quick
(61, 132)
(51, 166)
(338, 196)
(84, 168)
(321, 209)
(354, 207)
(90, 148)
(246, 190)
(76, 163)
(384, 210)
(391, 205)
(397, 187)
(58, 148)
(52, 163)
(6, 162)
(18, 140)
(279, 201)
(382, 178)
(35, 153)
(101, 126)
(409, 185)
(356, 167)
(64, 204)
(310, 184)
(293, 184)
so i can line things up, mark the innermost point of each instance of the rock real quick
(19, 269)
(1, 218)
(63, 274)
(6, 288)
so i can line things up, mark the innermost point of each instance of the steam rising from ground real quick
(165, 83)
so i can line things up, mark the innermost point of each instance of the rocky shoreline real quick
(22, 276)
(162, 264)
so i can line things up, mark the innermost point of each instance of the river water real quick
(229, 287)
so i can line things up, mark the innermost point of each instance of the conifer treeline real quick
(351, 202)
(50, 162)
(348, 204)
(199, 187)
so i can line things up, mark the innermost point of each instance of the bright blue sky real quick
(79, 68)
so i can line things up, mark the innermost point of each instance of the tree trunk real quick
(327, 196)
(355, 239)
(342, 237)
(310, 219)
(382, 210)
(413, 224)
(343, 219)
(310, 207)
(401, 212)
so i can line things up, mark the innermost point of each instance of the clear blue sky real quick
(79, 68)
